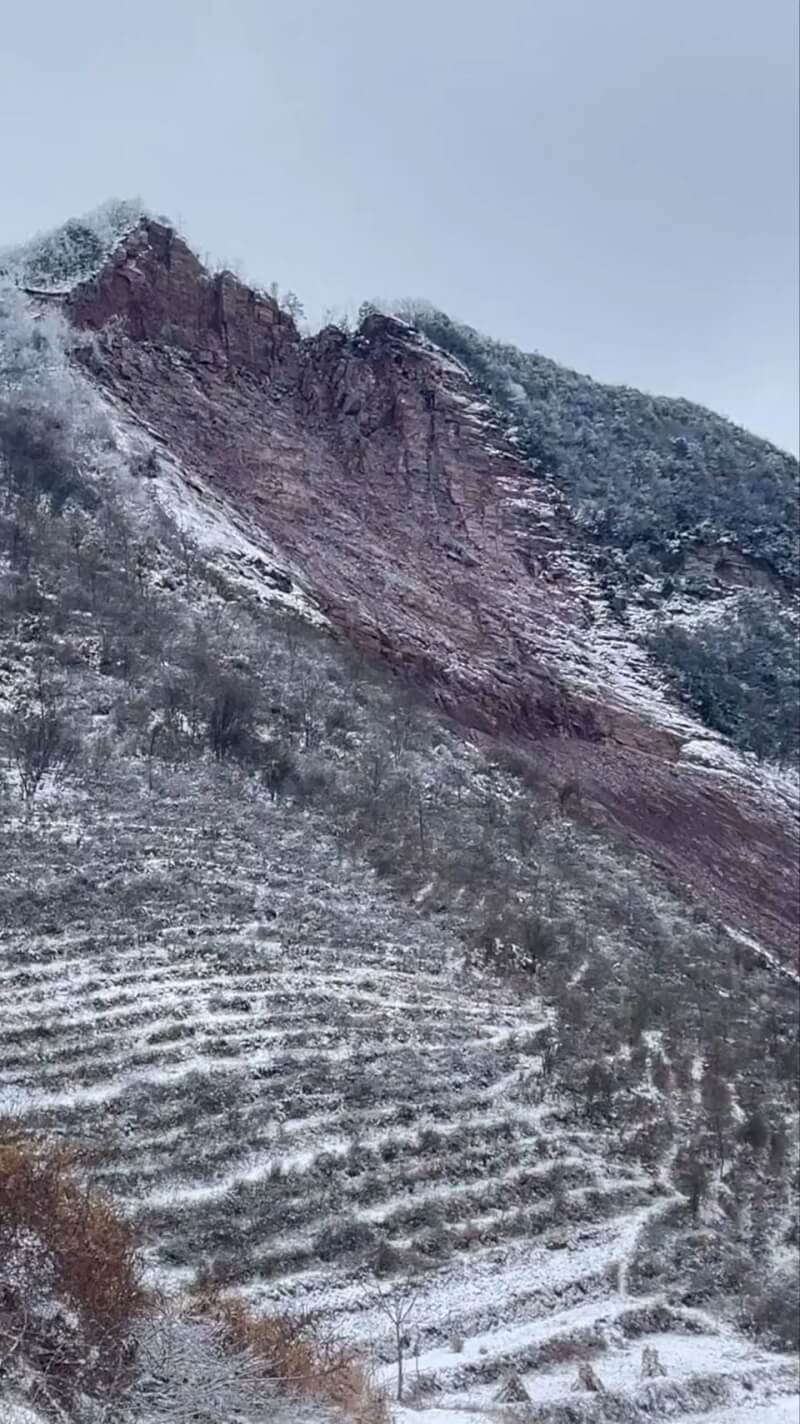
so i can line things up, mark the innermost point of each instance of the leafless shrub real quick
(37, 739)
(84, 1246)
(691, 1176)
(348, 1236)
(588, 1379)
(290, 1351)
(658, 1319)
(185, 1371)
(231, 715)
(772, 1312)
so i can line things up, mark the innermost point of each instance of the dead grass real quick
(66, 1237)
(294, 1353)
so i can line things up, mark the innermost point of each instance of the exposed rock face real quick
(370, 462)
(162, 293)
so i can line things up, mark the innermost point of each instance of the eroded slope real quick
(373, 468)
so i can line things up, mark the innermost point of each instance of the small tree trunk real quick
(721, 1146)
(150, 753)
(421, 824)
(399, 1334)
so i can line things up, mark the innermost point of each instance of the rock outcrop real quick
(372, 464)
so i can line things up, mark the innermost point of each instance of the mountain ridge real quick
(374, 465)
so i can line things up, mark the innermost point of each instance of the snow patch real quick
(209, 522)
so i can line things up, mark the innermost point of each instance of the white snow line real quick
(764, 954)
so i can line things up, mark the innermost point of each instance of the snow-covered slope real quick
(279, 1074)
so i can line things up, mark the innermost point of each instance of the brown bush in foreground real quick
(60, 1238)
(294, 1354)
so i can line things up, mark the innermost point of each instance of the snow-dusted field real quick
(281, 1071)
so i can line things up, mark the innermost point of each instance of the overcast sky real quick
(611, 182)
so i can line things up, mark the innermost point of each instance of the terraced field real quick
(290, 1078)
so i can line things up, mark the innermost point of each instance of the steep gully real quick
(370, 463)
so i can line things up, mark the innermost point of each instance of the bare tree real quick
(778, 1149)
(190, 557)
(309, 696)
(230, 715)
(375, 769)
(37, 739)
(690, 1174)
(398, 1303)
(716, 1097)
(525, 829)
(277, 769)
(422, 822)
(155, 732)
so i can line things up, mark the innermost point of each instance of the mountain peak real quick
(157, 288)
(53, 262)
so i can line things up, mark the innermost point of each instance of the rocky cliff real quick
(370, 464)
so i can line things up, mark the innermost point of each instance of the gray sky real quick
(611, 182)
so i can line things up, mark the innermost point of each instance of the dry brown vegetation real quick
(297, 1355)
(52, 1226)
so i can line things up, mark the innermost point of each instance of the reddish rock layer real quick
(368, 461)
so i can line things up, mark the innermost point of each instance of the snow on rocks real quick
(209, 523)
(54, 262)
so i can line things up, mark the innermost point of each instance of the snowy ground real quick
(277, 1068)
(776, 1411)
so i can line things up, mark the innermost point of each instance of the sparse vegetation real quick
(36, 738)
(292, 1352)
(741, 676)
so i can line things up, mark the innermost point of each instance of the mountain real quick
(378, 917)
(372, 466)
